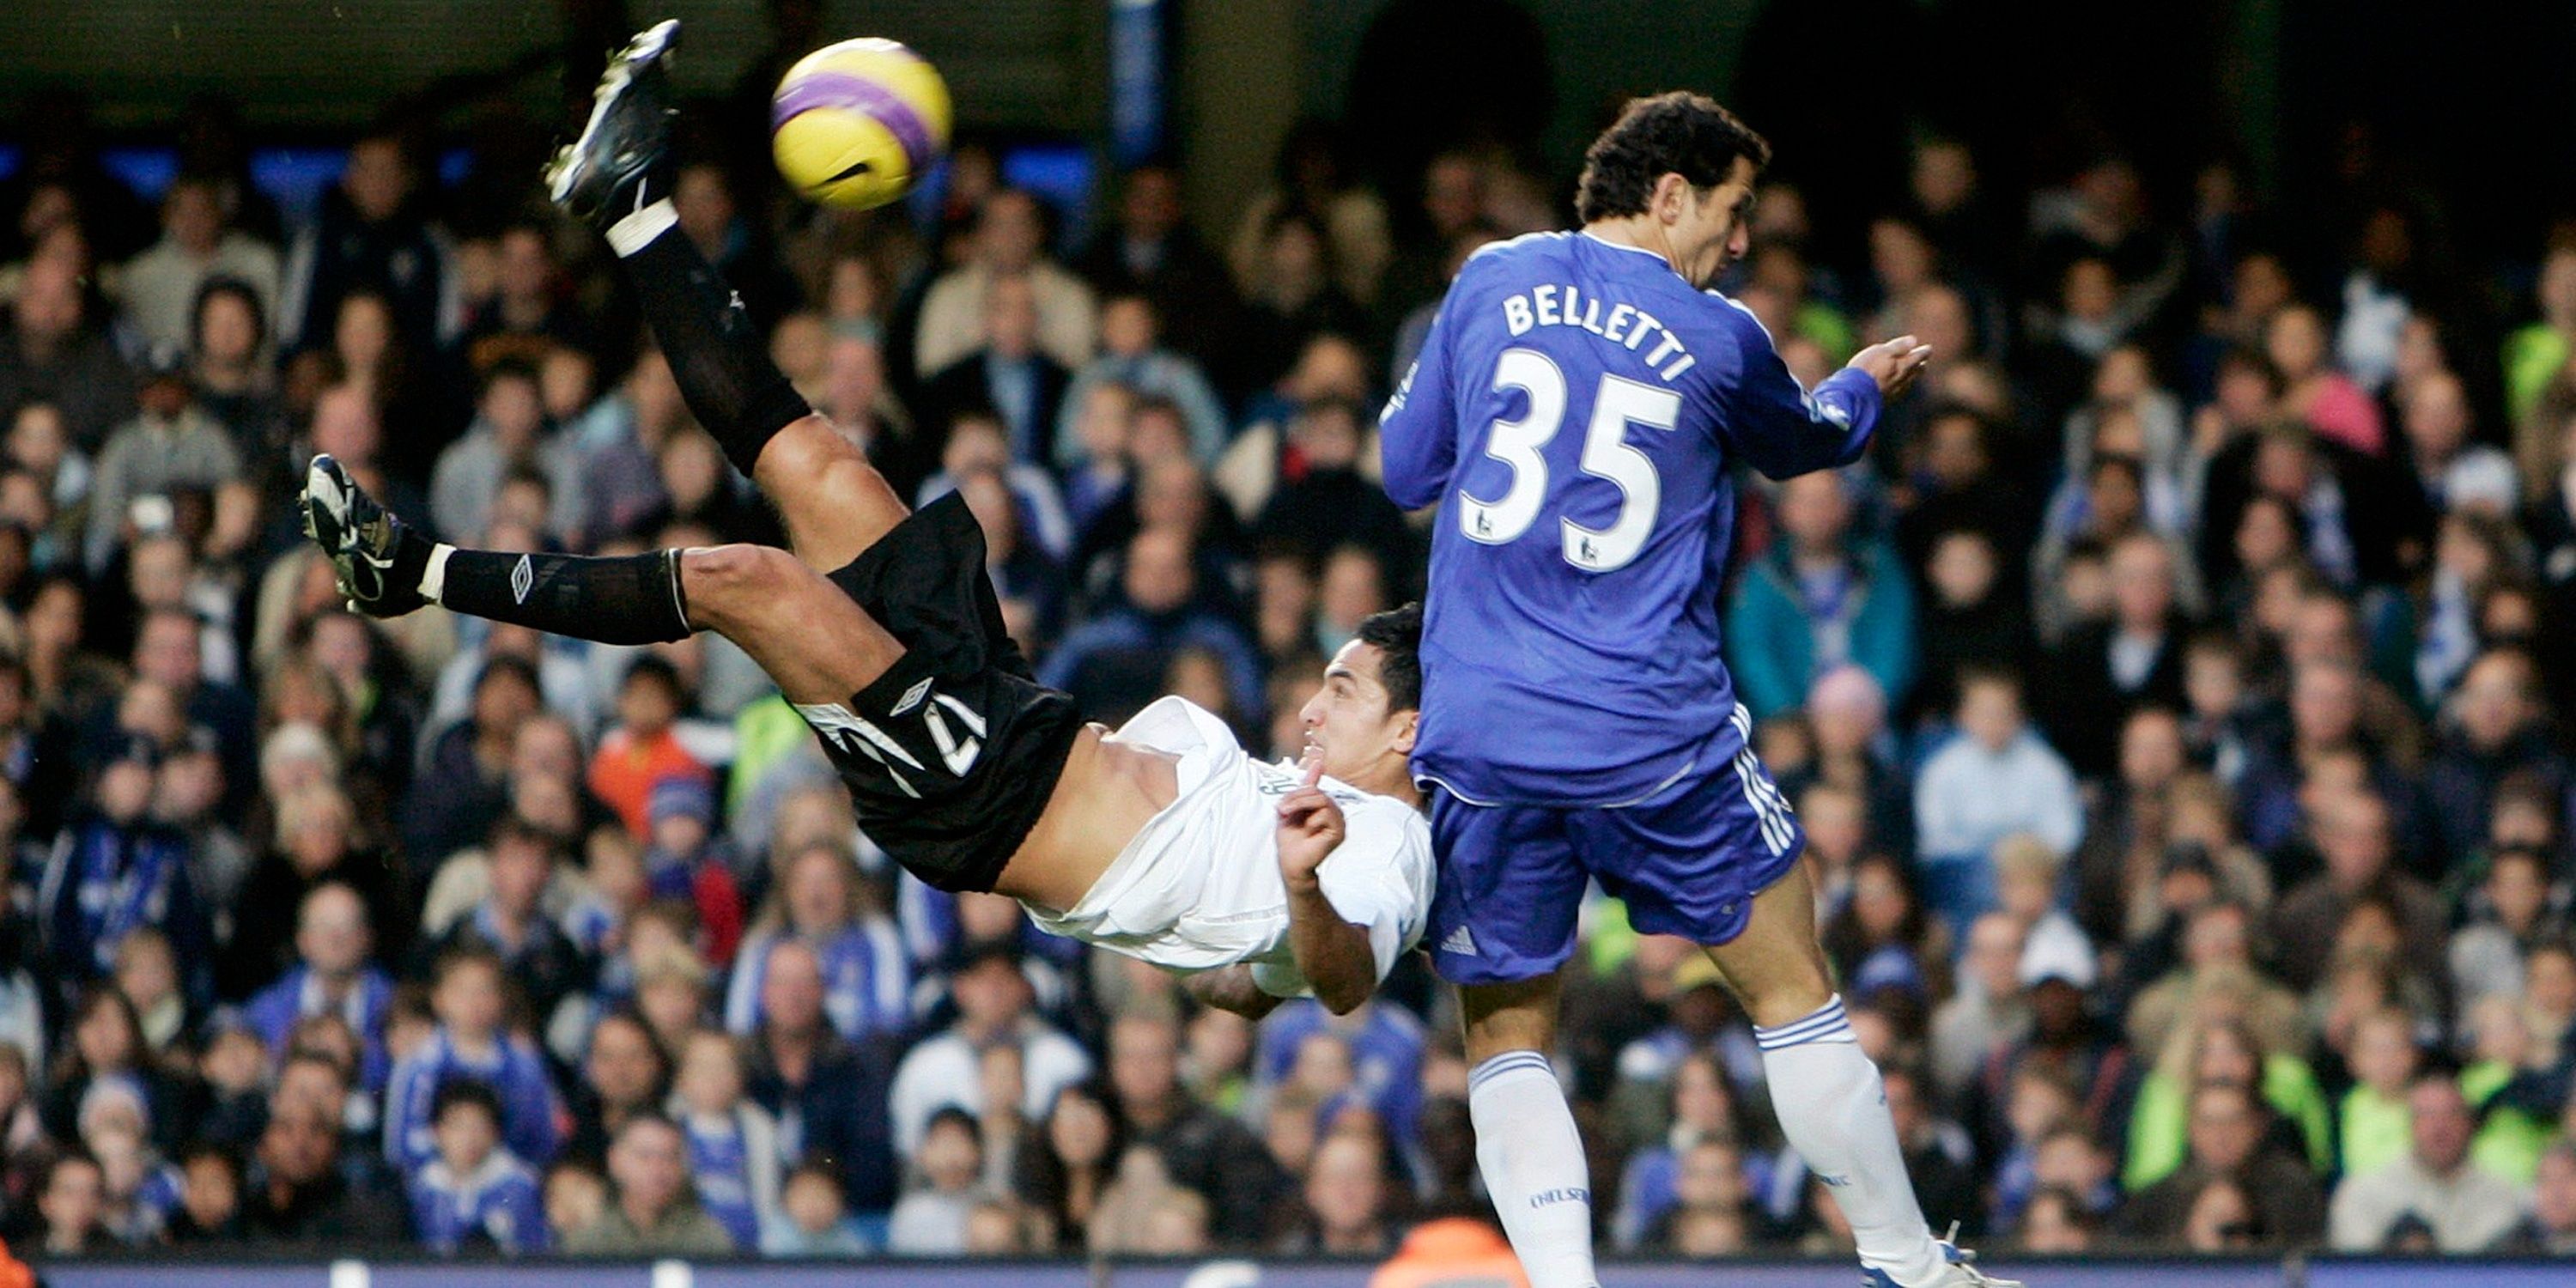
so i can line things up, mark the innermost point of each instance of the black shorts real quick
(951, 755)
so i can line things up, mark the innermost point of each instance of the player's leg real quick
(1502, 924)
(811, 637)
(1717, 861)
(1827, 1094)
(616, 178)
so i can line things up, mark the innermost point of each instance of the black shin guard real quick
(630, 599)
(716, 352)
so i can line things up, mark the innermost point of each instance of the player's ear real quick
(1407, 724)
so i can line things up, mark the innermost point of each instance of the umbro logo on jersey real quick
(1460, 943)
(911, 698)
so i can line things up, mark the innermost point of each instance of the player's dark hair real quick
(1676, 133)
(465, 1093)
(1397, 636)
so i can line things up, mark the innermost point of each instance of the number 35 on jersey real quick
(1618, 403)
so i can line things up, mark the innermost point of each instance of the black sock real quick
(716, 352)
(628, 599)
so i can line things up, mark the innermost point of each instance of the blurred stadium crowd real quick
(2174, 702)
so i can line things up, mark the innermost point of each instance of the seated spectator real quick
(210, 1198)
(1997, 779)
(993, 996)
(930, 1219)
(71, 1200)
(118, 871)
(1972, 616)
(1820, 597)
(834, 1091)
(1150, 253)
(1385, 1044)
(530, 311)
(1322, 500)
(1985, 1010)
(1099, 426)
(2467, 1208)
(2551, 1228)
(160, 288)
(1349, 1201)
(1009, 377)
(625, 1072)
(55, 351)
(2099, 674)
(2228, 1130)
(2325, 399)
(2498, 730)
(733, 1144)
(1330, 366)
(2210, 1052)
(509, 434)
(813, 1220)
(641, 750)
(687, 858)
(170, 446)
(1704, 1109)
(1064, 1173)
(2514, 907)
(1202, 1151)
(1029, 581)
(820, 899)
(1132, 357)
(469, 1042)
(106, 1049)
(652, 1210)
(978, 444)
(511, 923)
(2373, 1122)
(1113, 664)
(1290, 296)
(2216, 957)
(474, 1194)
(1009, 241)
(301, 1196)
(332, 975)
(2352, 836)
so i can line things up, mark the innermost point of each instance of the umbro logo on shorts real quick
(911, 698)
(1460, 943)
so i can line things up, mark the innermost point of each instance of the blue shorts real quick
(1687, 861)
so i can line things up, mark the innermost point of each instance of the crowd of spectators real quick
(2172, 701)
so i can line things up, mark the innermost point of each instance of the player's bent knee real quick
(726, 584)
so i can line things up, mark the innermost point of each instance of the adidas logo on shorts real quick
(1460, 943)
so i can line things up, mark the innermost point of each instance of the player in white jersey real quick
(1162, 840)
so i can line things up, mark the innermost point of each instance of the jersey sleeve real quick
(1769, 421)
(1417, 433)
(1371, 893)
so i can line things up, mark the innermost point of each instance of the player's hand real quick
(1893, 363)
(1310, 825)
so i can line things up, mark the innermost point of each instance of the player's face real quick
(1348, 722)
(1712, 230)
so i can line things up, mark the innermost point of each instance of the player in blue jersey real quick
(1575, 412)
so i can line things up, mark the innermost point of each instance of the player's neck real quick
(1636, 232)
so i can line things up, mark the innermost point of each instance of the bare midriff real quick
(1105, 796)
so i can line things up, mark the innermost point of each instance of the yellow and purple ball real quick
(857, 123)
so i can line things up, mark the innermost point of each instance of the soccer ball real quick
(857, 123)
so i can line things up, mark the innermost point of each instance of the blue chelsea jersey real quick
(1574, 412)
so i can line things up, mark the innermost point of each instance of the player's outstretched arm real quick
(1332, 953)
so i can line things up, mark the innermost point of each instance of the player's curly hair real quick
(1397, 636)
(1675, 133)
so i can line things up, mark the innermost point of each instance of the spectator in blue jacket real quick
(470, 1042)
(474, 1194)
(115, 871)
(1821, 597)
(332, 975)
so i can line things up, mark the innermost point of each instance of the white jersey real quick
(1199, 887)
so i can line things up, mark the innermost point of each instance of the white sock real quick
(1833, 1109)
(433, 579)
(1532, 1159)
(637, 228)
